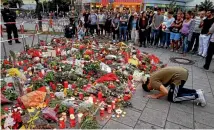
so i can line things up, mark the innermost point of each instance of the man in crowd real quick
(38, 13)
(123, 25)
(10, 16)
(204, 36)
(93, 22)
(156, 25)
(210, 51)
(86, 24)
(102, 20)
(175, 78)
(196, 32)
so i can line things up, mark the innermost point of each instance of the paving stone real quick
(210, 75)
(202, 126)
(179, 117)
(205, 89)
(154, 117)
(103, 121)
(183, 106)
(116, 125)
(208, 108)
(130, 118)
(170, 125)
(204, 118)
(209, 97)
(144, 125)
(138, 103)
(156, 104)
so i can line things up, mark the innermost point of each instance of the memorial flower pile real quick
(67, 84)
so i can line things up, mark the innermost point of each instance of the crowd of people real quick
(182, 32)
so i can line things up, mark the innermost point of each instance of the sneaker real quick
(18, 42)
(201, 98)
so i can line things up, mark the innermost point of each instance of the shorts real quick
(175, 36)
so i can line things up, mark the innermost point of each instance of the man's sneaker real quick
(201, 98)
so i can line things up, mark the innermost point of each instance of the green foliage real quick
(62, 108)
(89, 123)
(10, 94)
(49, 77)
(206, 5)
(37, 84)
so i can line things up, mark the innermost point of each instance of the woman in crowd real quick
(133, 26)
(185, 30)
(143, 23)
(108, 24)
(175, 32)
(80, 30)
(115, 26)
(101, 21)
(165, 28)
(150, 18)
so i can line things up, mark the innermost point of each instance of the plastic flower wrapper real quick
(49, 113)
(9, 122)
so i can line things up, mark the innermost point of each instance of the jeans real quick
(165, 39)
(195, 36)
(185, 42)
(155, 36)
(122, 32)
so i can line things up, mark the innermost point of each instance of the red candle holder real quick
(72, 120)
(109, 109)
(73, 86)
(113, 105)
(100, 95)
(71, 110)
(102, 112)
(65, 84)
(61, 123)
(81, 96)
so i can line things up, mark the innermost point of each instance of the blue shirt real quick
(134, 23)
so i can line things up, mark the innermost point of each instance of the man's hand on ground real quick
(153, 96)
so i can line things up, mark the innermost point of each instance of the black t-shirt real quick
(86, 16)
(177, 29)
(206, 26)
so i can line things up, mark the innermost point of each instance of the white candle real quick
(80, 117)
(91, 100)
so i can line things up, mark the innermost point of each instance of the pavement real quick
(159, 113)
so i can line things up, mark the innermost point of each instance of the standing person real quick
(115, 26)
(149, 29)
(196, 32)
(210, 51)
(70, 30)
(102, 20)
(80, 30)
(175, 32)
(38, 13)
(93, 21)
(175, 78)
(86, 24)
(165, 28)
(204, 36)
(156, 25)
(108, 24)
(143, 23)
(123, 25)
(185, 31)
(133, 27)
(10, 16)
(131, 16)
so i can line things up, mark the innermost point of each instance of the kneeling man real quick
(175, 78)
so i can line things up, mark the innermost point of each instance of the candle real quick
(113, 105)
(100, 95)
(80, 115)
(81, 96)
(73, 86)
(72, 120)
(61, 123)
(52, 95)
(126, 97)
(53, 86)
(71, 110)
(91, 100)
(64, 116)
(40, 75)
(65, 84)
(65, 91)
(25, 68)
(109, 109)
(101, 112)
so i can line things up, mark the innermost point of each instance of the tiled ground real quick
(159, 113)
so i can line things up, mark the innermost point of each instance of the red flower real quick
(88, 52)
(130, 77)
(82, 47)
(6, 62)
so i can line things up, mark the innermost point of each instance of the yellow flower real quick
(14, 72)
